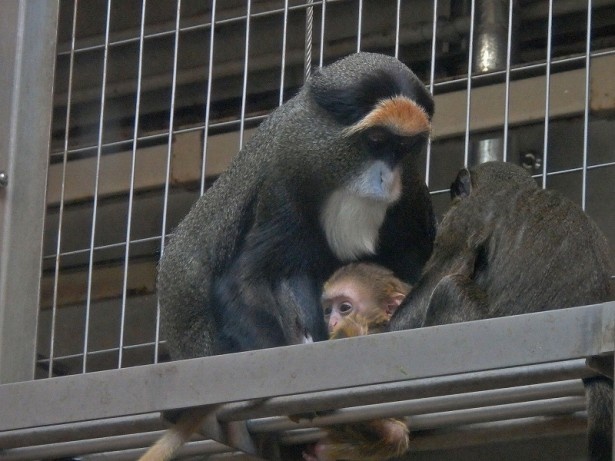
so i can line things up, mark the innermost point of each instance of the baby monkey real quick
(359, 299)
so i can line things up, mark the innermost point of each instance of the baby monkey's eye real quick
(327, 311)
(345, 308)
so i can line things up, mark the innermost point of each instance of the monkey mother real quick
(330, 177)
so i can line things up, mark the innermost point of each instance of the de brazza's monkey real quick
(329, 177)
(507, 247)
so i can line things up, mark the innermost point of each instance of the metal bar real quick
(415, 389)
(551, 407)
(432, 73)
(466, 149)
(28, 34)
(359, 25)
(475, 434)
(397, 18)
(507, 93)
(587, 99)
(322, 32)
(548, 336)
(447, 403)
(96, 186)
(208, 101)
(97, 445)
(547, 96)
(167, 182)
(201, 447)
(244, 91)
(131, 188)
(77, 431)
(56, 276)
(283, 65)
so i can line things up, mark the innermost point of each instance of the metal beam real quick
(435, 351)
(27, 53)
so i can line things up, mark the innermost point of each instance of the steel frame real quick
(459, 375)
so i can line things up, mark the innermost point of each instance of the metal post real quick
(491, 54)
(28, 36)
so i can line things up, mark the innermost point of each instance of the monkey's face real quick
(346, 297)
(395, 128)
(384, 150)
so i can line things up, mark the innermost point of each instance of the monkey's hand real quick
(354, 324)
(376, 440)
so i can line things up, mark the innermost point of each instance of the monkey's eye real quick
(345, 308)
(406, 143)
(327, 311)
(377, 138)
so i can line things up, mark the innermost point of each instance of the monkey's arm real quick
(260, 314)
(407, 234)
(456, 298)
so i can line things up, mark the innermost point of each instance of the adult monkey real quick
(507, 247)
(329, 177)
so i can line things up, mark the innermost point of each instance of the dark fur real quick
(244, 269)
(507, 247)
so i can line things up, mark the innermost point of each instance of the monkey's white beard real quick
(351, 224)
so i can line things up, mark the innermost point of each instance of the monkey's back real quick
(202, 245)
(544, 253)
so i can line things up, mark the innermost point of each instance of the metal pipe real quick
(83, 430)
(419, 388)
(491, 35)
(558, 406)
(472, 434)
(492, 54)
(449, 407)
(104, 444)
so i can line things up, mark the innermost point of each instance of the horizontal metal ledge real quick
(549, 373)
(436, 351)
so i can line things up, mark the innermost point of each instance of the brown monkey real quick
(360, 299)
(507, 247)
(369, 290)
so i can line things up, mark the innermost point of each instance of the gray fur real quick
(274, 190)
(508, 248)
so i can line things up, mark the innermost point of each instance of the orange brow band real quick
(399, 114)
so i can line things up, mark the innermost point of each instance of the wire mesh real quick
(154, 98)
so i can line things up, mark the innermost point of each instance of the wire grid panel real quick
(152, 100)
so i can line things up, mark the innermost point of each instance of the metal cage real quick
(117, 115)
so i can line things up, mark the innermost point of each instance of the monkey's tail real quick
(174, 438)
(599, 392)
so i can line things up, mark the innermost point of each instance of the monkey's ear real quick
(393, 303)
(462, 186)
